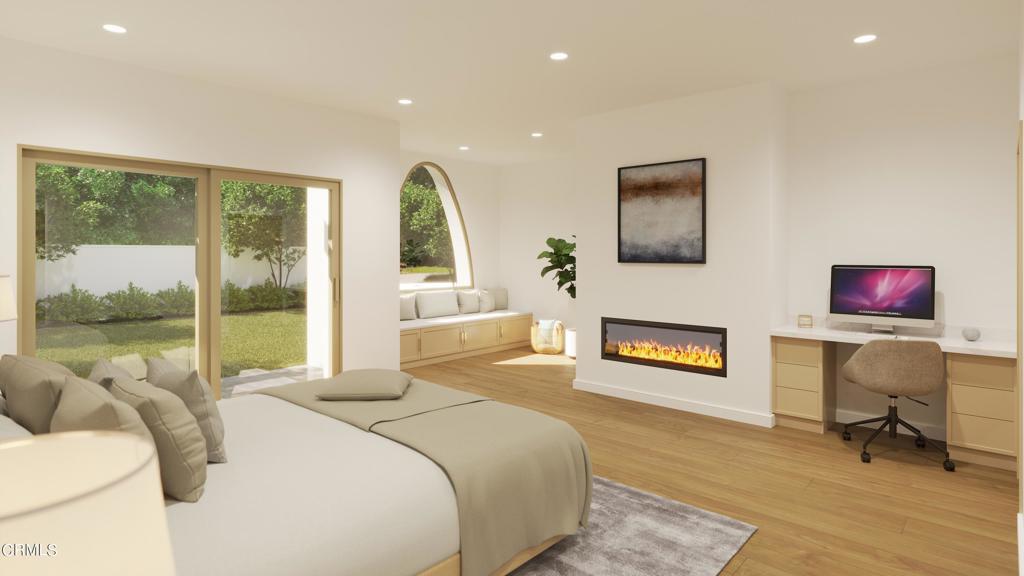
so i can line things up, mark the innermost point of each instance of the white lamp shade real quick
(8, 307)
(83, 503)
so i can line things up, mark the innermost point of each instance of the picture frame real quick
(662, 212)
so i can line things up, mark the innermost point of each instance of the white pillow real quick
(500, 298)
(486, 301)
(407, 307)
(469, 301)
(9, 429)
(434, 304)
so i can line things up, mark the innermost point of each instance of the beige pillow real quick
(486, 301)
(104, 369)
(500, 298)
(434, 304)
(198, 398)
(407, 307)
(180, 446)
(367, 384)
(469, 301)
(133, 363)
(85, 405)
(11, 430)
(32, 387)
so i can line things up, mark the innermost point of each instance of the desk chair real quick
(897, 368)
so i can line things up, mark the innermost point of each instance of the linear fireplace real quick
(698, 349)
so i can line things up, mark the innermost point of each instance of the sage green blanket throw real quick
(520, 477)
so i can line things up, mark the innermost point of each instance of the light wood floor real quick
(818, 509)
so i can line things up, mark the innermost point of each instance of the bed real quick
(305, 493)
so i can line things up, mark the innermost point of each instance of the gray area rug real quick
(635, 533)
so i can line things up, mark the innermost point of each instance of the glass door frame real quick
(208, 246)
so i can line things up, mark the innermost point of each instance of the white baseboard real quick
(766, 420)
(932, 431)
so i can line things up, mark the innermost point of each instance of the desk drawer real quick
(983, 433)
(982, 371)
(797, 376)
(985, 402)
(793, 351)
(797, 403)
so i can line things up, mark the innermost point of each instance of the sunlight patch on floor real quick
(539, 360)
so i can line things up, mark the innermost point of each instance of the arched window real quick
(434, 249)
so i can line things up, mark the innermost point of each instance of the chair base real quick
(892, 422)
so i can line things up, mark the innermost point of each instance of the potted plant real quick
(561, 258)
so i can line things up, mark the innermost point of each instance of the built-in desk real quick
(981, 377)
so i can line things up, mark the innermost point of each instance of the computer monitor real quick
(883, 296)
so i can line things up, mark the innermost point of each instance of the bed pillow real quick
(367, 384)
(500, 298)
(434, 304)
(486, 301)
(469, 301)
(197, 395)
(106, 369)
(86, 405)
(11, 430)
(32, 387)
(407, 306)
(133, 363)
(3, 406)
(180, 446)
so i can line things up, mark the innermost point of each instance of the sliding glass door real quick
(232, 273)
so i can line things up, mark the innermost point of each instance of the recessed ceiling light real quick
(463, 148)
(558, 56)
(404, 101)
(536, 135)
(865, 39)
(114, 28)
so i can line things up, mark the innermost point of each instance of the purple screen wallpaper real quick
(897, 292)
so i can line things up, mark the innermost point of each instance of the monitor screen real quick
(885, 291)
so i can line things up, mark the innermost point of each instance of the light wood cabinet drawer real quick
(797, 403)
(982, 371)
(409, 347)
(986, 402)
(440, 341)
(793, 351)
(797, 376)
(515, 330)
(983, 433)
(480, 335)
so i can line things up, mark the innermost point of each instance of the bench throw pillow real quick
(180, 446)
(85, 405)
(486, 301)
(197, 395)
(366, 384)
(407, 307)
(434, 304)
(31, 387)
(469, 301)
(500, 298)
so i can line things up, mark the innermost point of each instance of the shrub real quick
(177, 301)
(234, 299)
(133, 303)
(80, 306)
(268, 296)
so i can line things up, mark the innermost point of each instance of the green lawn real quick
(267, 340)
(425, 270)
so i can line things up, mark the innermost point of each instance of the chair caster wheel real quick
(920, 442)
(948, 465)
(847, 436)
(865, 457)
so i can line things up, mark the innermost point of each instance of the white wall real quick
(739, 132)
(476, 188)
(917, 168)
(537, 202)
(58, 99)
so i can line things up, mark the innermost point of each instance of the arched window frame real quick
(464, 278)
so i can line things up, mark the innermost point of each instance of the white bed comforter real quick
(304, 494)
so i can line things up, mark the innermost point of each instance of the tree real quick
(424, 224)
(268, 220)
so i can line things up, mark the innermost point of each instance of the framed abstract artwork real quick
(662, 212)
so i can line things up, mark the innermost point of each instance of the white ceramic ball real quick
(971, 334)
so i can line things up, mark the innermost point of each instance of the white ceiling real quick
(479, 71)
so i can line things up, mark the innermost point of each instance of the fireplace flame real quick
(690, 355)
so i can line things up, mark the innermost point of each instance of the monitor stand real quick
(883, 328)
